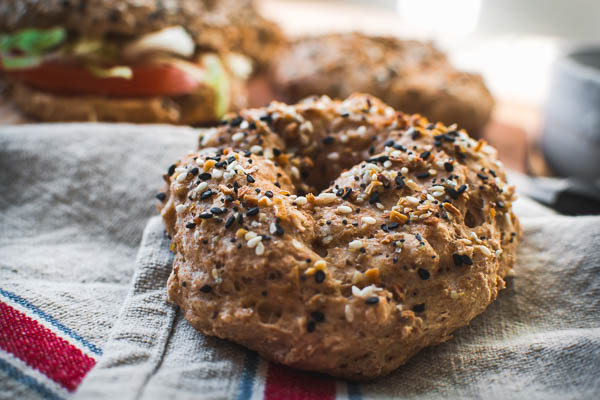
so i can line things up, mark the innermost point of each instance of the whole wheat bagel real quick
(337, 236)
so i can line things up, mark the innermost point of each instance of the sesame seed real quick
(206, 289)
(161, 196)
(344, 210)
(229, 221)
(190, 225)
(250, 179)
(254, 241)
(318, 316)
(217, 210)
(319, 276)
(371, 301)
(368, 220)
(205, 176)
(260, 249)
(256, 149)
(252, 211)
(206, 215)
(171, 170)
(355, 244)
(423, 274)
(325, 198)
(182, 177)
(180, 208)
(206, 194)
(448, 167)
(418, 308)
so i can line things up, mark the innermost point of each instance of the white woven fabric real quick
(75, 200)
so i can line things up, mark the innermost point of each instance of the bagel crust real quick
(337, 236)
(409, 75)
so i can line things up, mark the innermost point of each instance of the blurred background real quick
(514, 44)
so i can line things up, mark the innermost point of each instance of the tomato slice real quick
(147, 80)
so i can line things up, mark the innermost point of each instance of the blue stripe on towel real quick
(248, 375)
(28, 381)
(50, 319)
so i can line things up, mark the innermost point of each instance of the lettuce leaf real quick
(26, 48)
(218, 79)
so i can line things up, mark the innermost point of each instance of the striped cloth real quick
(83, 265)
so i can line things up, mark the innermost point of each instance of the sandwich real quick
(157, 61)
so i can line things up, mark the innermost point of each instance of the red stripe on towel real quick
(42, 349)
(290, 384)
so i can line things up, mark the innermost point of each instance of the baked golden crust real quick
(220, 25)
(411, 76)
(398, 251)
(190, 109)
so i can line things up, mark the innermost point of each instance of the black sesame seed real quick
(217, 210)
(414, 134)
(205, 176)
(251, 212)
(205, 195)
(400, 147)
(171, 170)
(252, 125)
(229, 221)
(318, 316)
(269, 194)
(184, 283)
(347, 194)
(221, 164)
(423, 175)
(462, 189)
(278, 229)
(458, 261)
(380, 159)
(240, 219)
(319, 276)
(266, 118)
(206, 289)
(235, 121)
(374, 198)
(482, 176)
(453, 133)
(339, 192)
(194, 171)
(190, 225)
(423, 274)
(425, 155)
(393, 225)
(389, 143)
(493, 173)
(328, 140)
(418, 308)
(311, 326)
(448, 167)
(452, 193)
(371, 301)
(161, 196)
(399, 180)
(231, 159)
(206, 215)
(250, 179)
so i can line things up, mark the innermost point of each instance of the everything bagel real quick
(337, 236)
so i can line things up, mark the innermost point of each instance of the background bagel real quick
(405, 246)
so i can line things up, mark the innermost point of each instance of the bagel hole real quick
(268, 313)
